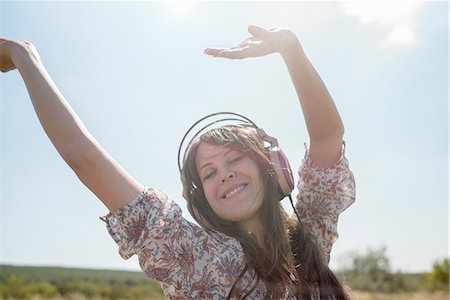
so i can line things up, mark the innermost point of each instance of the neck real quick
(255, 227)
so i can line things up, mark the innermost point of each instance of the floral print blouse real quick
(191, 263)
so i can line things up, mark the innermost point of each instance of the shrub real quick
(371, 272)
(43, 288)
(438, 278)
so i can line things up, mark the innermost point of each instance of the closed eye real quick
(232, 161)
(209, 175)
(236, 159)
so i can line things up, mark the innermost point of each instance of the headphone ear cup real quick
(282, 170)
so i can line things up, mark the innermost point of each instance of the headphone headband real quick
(234, 117)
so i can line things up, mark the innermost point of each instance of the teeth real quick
(231, 193)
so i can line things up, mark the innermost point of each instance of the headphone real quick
(278, 159)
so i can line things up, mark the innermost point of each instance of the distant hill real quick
(53, 274)
(25, 282)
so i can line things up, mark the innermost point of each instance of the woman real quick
(247, 246)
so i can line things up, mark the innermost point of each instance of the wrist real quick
(291, 46)
(22, 52)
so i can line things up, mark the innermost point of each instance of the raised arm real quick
(93, 166)
(322, 119)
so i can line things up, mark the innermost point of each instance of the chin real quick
(240, 216)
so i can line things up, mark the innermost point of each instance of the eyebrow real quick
(207, 164)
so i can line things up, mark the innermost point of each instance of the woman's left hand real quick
(262, 42)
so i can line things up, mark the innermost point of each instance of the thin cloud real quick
(397, 18)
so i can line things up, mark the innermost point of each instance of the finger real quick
(259, 32)
(254, 42)
(238, 53)
(214, 51)
(219, 51)
(250, 40)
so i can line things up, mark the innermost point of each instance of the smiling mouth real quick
(234, 191)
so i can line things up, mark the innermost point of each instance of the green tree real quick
(438, 278)
(372, 272)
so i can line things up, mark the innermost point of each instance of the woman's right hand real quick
(261, 43)
(7, 50)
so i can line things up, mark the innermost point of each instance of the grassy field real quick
(54, 283)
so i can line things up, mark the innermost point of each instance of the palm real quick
(251, 47)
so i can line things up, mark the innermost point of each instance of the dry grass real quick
(400, 296)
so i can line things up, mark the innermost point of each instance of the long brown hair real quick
(290, 261)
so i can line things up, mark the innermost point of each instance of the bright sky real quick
(137, 76)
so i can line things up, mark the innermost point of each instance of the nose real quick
(227, 175)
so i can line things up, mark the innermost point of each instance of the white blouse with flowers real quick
(191, 263)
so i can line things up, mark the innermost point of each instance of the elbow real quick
(78, 155)
(341, 131)
(75, 160)
(337, 128)
(337, 132)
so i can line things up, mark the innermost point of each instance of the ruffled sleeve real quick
(129, 226)
(323, 195)
(183, 257)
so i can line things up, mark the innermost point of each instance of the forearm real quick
(59, 121)
(321, 115)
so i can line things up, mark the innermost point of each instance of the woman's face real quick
(231, 182)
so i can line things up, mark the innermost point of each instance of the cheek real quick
(259, 188)
(209, 189)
